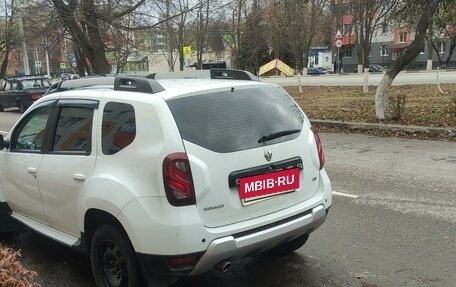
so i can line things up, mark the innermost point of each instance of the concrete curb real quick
(391, 127)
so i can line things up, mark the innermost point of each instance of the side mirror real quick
(3, 144)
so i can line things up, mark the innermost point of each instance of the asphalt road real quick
(393, 223)
(404, 78)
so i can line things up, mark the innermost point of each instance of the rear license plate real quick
(269, 184)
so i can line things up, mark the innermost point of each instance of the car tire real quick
(289, 246)
(113, 258)
(21, 107)
(1, 109)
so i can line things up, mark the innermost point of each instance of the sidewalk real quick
(447, 131)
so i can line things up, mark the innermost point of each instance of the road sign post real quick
(338, 43)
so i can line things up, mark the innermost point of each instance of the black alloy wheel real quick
(113, 259)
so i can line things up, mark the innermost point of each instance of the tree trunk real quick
(97, 46)
(4, 64)
(92, 46)
(382, 99)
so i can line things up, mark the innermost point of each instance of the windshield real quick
(36, 83)
(236, 119)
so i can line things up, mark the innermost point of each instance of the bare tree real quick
(418, 14)
(233, 35)
(254, 49)
(277, 24)
(7, 41)
(368, 16)
(301, 18)
(202, 22)
(444, 28)
(90, 44)
(215, 33)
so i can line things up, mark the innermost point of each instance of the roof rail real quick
(119, 83)
(226, 74)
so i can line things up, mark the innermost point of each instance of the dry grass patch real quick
(422, 104)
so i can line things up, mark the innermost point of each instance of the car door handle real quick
(31, 170)
(79, 176)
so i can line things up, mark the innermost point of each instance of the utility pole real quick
(25, 60)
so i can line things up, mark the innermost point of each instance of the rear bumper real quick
(156, 269)
(259, 240)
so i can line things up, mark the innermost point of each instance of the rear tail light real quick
(321, 154)
(184, 261)
(36, 96)
(178, 181)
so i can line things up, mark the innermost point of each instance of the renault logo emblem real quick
(268, 155)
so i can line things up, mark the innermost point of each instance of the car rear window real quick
(237, 118)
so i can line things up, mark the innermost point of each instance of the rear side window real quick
(237, 119)
(74, 131)
(119, 127)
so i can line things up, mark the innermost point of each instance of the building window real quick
(348, 53)
(441, 47)
(383, 50)
(385, 28)
(346, 29)
(403, 37)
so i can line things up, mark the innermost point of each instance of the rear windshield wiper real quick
(275, 135)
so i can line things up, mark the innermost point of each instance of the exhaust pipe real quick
(223, 266)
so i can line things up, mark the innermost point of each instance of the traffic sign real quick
(74, 64)
(187, 51)
(338, 43)
(37, 64)
(73, 58)
(338, 34)
(62, 65)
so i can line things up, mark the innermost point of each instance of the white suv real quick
(162, 178)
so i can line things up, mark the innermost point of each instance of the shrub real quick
(12, 273)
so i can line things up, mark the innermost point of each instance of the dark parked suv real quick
(22, 91)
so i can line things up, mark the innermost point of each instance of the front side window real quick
(30, 132)
(119, 127)
(73, 133)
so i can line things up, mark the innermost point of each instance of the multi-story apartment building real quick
(388, 41)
